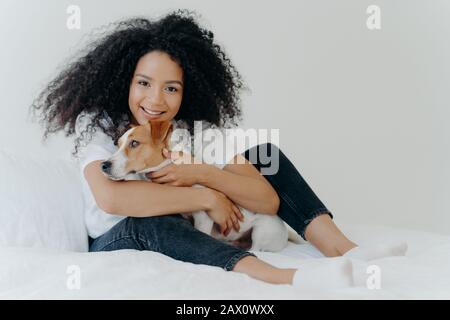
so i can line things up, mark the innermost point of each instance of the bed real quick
(42, 273)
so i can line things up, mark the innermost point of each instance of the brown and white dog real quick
(140, 152)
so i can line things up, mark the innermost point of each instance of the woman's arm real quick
(243, 184)
(142, 198)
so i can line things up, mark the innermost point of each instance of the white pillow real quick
(41, 203)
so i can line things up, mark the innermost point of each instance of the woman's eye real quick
(144, 83)
(172, 89)
(134, 143)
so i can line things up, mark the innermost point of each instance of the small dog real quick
(140, 152)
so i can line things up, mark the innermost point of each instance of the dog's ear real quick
(161, 131)
(167, 134)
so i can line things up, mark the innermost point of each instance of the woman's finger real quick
(235, 220)
(167, 153)
(163, 179)
(238, 212)
(225, 231)
(176, 155)
(223, 228)
(161, 172)
(236, 225)
(229, 227)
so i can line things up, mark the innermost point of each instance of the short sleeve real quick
(100, 147)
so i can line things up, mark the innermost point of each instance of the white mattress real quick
(33, 273)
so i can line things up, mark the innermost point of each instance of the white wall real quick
(362, 114)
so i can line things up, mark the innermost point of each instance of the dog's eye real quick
(134, 144)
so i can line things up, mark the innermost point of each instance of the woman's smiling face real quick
(156, 89)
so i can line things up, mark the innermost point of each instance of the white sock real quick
(324, 273)
(367, 253)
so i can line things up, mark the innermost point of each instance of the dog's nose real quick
(106, 166)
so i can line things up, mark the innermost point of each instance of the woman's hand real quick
(183, 172)
(224, 212)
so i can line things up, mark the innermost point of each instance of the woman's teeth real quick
(153, 113)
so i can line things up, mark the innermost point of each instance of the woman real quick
(171, 69)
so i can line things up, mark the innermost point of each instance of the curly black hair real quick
(99, 80)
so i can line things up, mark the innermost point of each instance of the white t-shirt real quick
(211, 145)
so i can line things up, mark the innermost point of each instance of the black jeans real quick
(176, 237)
(299, 205)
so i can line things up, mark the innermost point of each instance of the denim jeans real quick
(176, 237)
(299, 205)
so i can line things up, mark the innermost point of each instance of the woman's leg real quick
(176, 237)
(323, 233)
(299, 206)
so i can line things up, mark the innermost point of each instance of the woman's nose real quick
(155, 97)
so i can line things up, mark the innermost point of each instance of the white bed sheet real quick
(33, 273)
